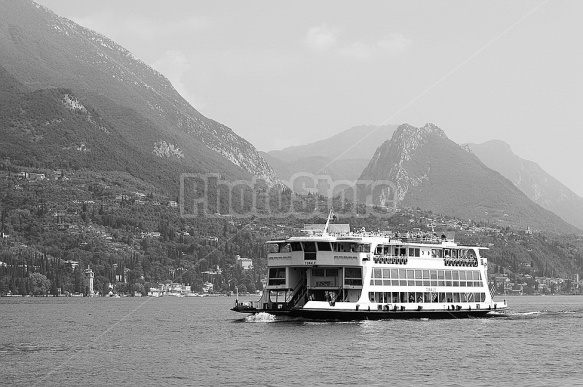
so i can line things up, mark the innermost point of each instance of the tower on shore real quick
(89, 276)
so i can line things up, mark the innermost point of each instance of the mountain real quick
(346, 169)
(342, 156)
(359, 142)
(51, 127)
(531, 179)
(432, 172)
(143, 114)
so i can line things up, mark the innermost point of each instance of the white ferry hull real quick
(357, 276)
(350, 315)
(380, 312)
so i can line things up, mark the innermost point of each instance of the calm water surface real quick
(198, 341)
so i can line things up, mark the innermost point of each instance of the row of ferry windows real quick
(393, 250)
(417, 277)
(349, 272)
(352, 275)
(424, 297)
(343, 247)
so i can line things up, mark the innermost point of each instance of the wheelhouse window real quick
(276, 276)
(309, 251)
(296, 246)
(324, 246)
(273, 248)
(281, 247)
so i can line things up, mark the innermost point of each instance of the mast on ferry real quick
(330, 216)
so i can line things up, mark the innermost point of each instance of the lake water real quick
(198, 341)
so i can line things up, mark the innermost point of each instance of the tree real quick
(4, 285)
(21, 286)
(39, 283)
(101, 285)
(139, 288)
(251, 287)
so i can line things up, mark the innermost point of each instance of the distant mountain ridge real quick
(44, 51)
(531, 179)
(342, 156)
(358, 142)
(433, 173)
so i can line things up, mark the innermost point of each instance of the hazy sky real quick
(283, 73)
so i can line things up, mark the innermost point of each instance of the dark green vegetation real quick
(120, 226)
(124, 229)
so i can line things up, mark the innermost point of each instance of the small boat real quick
(331, 273)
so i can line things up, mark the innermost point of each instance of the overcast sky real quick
(283, 73)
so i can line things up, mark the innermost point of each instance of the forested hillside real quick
(126, 230)
(55, 223)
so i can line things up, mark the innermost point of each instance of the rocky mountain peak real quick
(429, 171)
(397, 160)
(410, 137)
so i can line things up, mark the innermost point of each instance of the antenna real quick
(325, 232)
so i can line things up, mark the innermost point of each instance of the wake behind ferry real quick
(329, 272)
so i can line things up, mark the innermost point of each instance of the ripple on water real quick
(11, 348)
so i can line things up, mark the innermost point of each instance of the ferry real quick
(331, 273)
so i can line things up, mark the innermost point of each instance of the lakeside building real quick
(207, 287)
(244, 263)
(171, 289)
